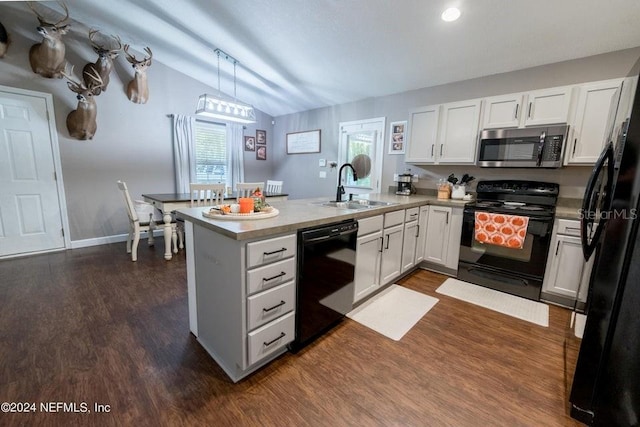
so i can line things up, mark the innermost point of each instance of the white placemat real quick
(521, 308)
(394, 311)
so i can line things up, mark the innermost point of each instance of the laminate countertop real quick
(303, 213)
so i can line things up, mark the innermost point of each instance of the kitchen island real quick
(241, 275)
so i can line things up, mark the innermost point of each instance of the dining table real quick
(168, 203)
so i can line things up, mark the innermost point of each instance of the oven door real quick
(516, 271)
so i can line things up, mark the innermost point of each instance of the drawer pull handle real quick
(266, 310)
(279, 337)
(275, 252)
(266, 279)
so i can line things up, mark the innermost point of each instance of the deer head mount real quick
(81, 122)
(138, 89)
(47, 58)
(104, 63)
(4, 40)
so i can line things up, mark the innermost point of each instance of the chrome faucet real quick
(340, 190)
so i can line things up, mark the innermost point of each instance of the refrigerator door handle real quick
(594, 196)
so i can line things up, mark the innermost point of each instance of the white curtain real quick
(235, 159)
(184, 151)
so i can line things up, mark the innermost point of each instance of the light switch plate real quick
(322, 163)
(323, 174)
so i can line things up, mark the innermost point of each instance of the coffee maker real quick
(403, 184)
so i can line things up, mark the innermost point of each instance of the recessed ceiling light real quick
(451, 14)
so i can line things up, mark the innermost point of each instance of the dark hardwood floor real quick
(91, 326)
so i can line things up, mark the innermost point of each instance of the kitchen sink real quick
(356, 204)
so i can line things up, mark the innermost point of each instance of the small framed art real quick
(397, 134)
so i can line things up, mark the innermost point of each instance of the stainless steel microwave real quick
(538, 147)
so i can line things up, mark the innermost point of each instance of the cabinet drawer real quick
(270, 337)
(568, 226)
(369, 225)
(411, 214)
(393, 218)
(270, 275)
(271, 304)
(270, 250)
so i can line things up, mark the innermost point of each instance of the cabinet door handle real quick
(441, 149)
(572, 230)
(267, 344)
(516, 115)
(446, 221)
(381, 244)
(557, 247)
(388, 238)
(575, 141)
(432, 145)
(417, 230)
(281, 303)
(275, 252)
(267, 279)
(530, 108)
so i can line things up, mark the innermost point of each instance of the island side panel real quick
(219, 267)
(191, 278)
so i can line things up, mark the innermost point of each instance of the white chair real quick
(137, 225)
(274, 187)
(206, 194)
(246, 189)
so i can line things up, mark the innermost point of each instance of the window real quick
(362, 137)
(211, 152)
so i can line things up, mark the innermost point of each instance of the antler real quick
(132, 59)
(43, 21)
(73, 84)
(95, 76)
(95, 45)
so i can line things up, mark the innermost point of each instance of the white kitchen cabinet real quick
(593, 122)
(244, 302)
(535, 108)
(410, 239)
(458, 132)
(368, 257)
(444, 134)
(566, 273)
(444, 229)
(423, 134)
(393, 233)
(422, 233)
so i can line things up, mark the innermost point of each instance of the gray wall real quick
(300, 172)
(133, 142)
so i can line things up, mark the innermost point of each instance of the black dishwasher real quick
(326, 268)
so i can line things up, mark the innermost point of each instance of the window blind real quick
(211, 152)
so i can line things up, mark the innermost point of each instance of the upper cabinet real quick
(536, 108)
(593, 122)
(444, 134)
(423, 134)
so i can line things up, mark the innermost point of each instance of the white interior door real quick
(31, 217)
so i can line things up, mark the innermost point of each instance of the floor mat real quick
(394, 311)
(531, 311)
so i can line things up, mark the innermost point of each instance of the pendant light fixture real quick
(222, 106)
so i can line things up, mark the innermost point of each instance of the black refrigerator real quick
(606, 384)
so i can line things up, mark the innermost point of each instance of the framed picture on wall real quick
(397, 133)
(261, 137)
(249, 143)
(261, 152)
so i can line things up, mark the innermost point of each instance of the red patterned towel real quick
(500, 229)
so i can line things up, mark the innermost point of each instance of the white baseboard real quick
(85, 243)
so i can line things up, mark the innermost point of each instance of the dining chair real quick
(273, 187)
(139, 225)
(206, 194)
(246, 189)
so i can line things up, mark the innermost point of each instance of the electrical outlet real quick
(322, 163)
(323, 174)
(415, 178)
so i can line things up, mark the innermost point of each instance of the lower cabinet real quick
(444, 229)
(566, 277)
(410, 239)
(368, 256)
(391, 265)
(423, 219)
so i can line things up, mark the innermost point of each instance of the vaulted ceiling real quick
(296, 55)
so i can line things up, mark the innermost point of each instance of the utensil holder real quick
(458, 191)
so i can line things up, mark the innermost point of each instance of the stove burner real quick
(488, 204)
